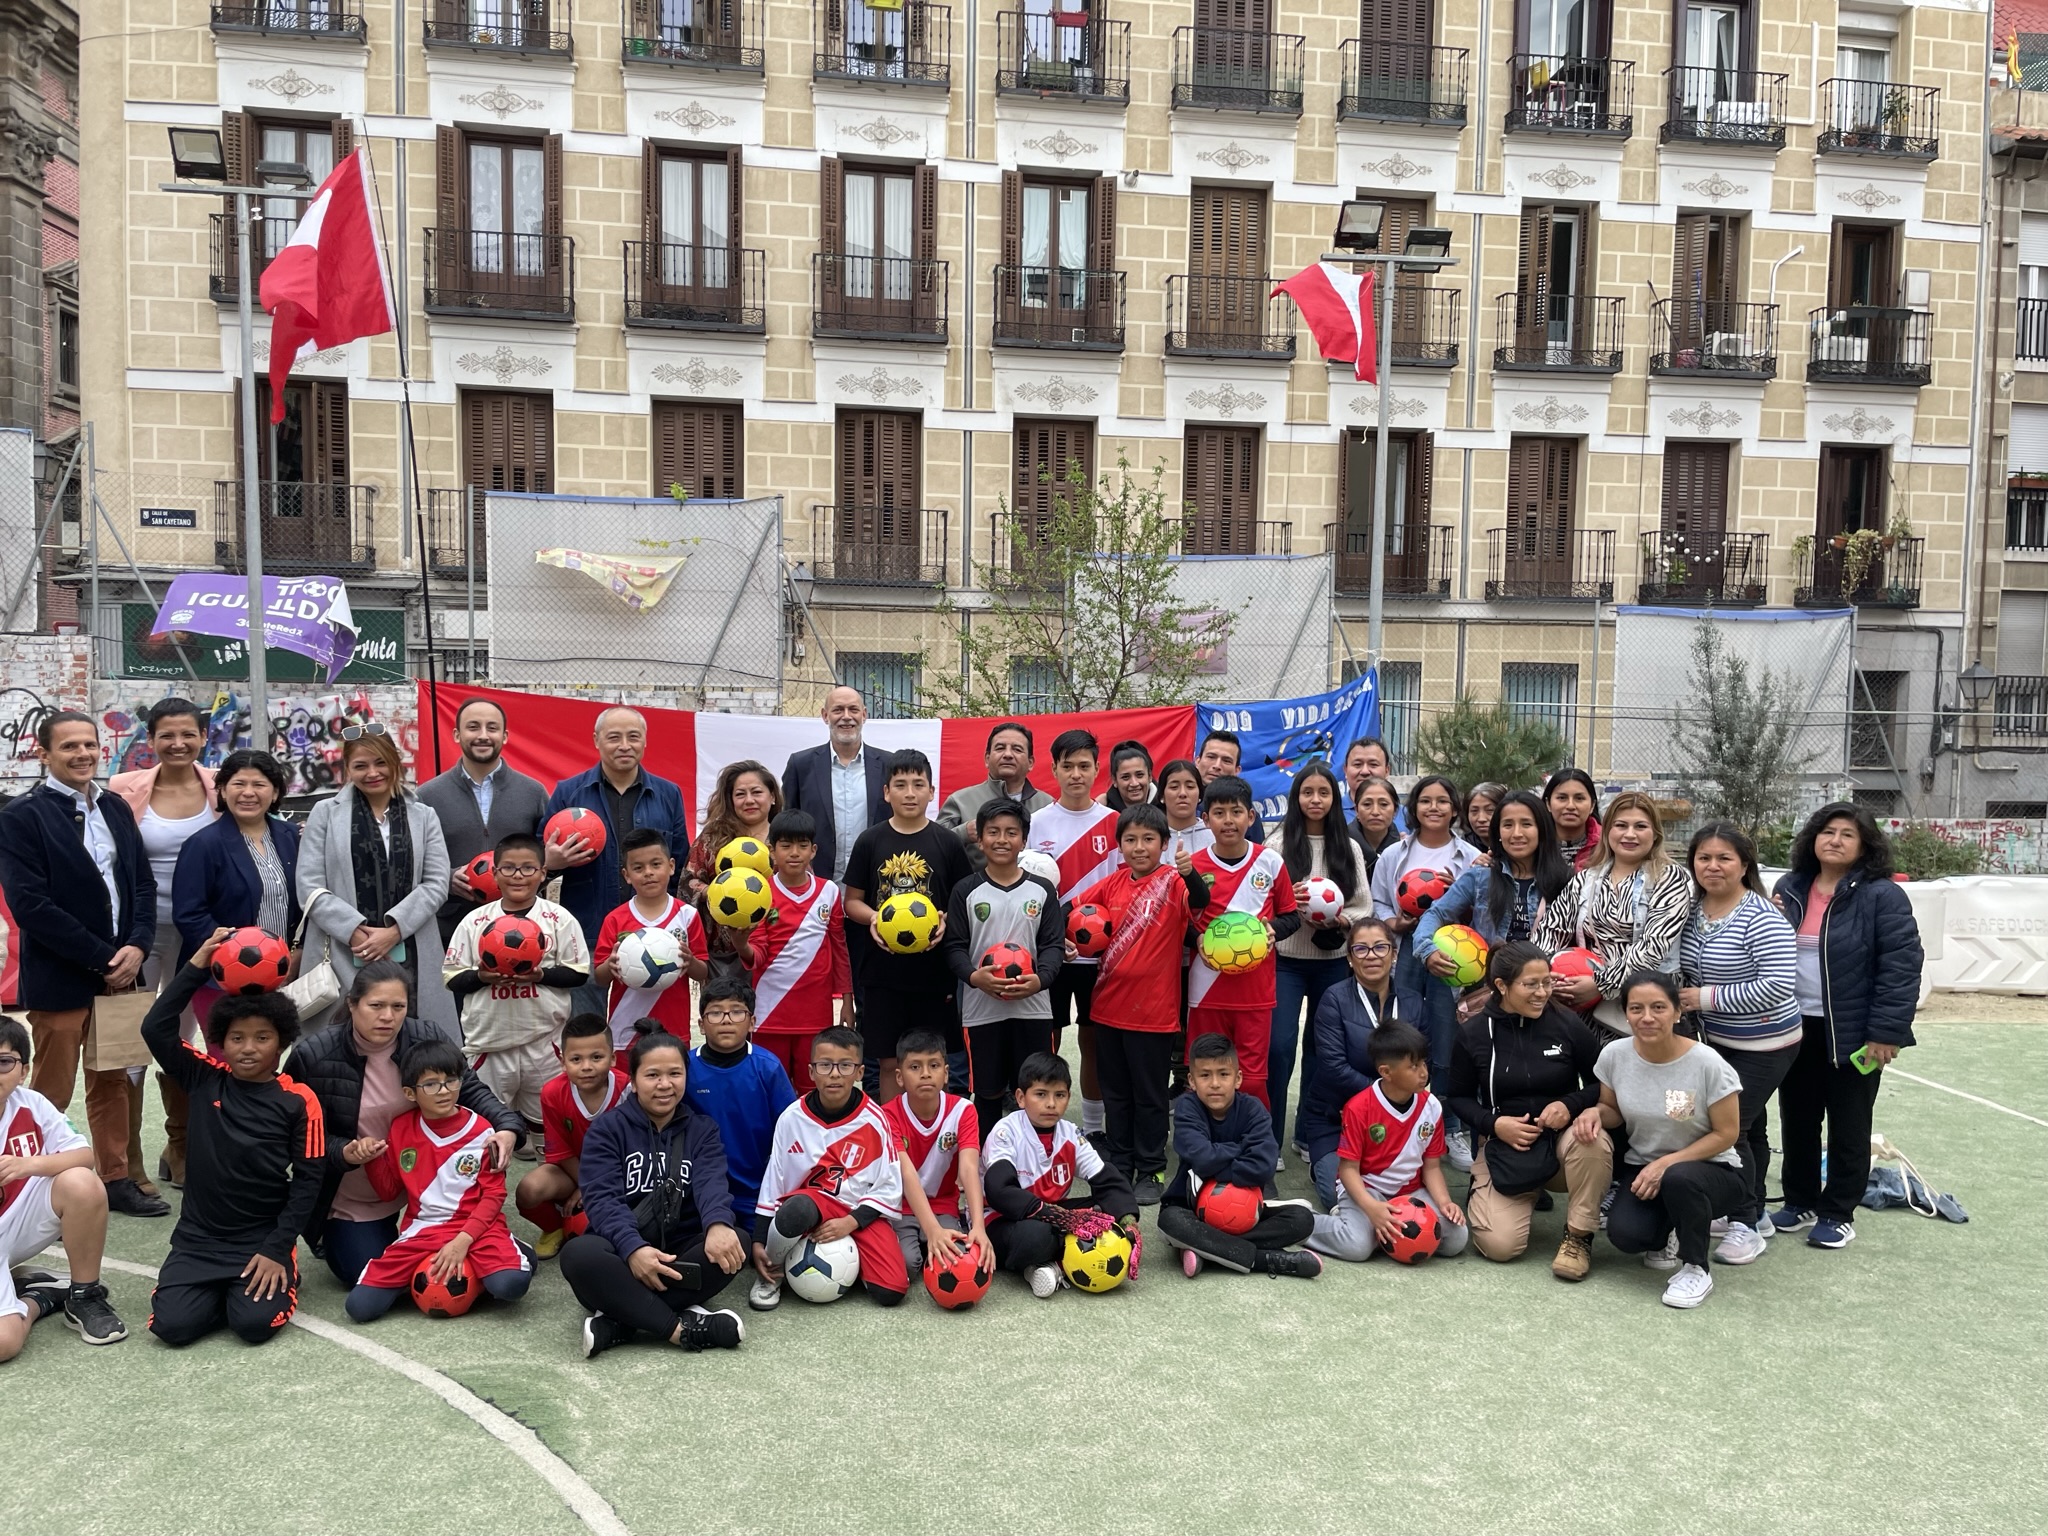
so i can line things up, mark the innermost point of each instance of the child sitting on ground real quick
(940, 1137)
(441, 1158)
(1224, 1137)
(1391, 1146)
(589, 1084)
(649, 869)
(742, 1090)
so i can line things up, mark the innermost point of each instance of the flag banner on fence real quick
(1341, 314)
(637, 581)
(1280, 735)
(307, 615)
(328, 286)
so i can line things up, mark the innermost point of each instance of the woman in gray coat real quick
(373, 871)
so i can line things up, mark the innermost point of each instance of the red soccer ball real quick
(1577, 962)
(1010, 962)
(1088, 929)
(483, 876)
(576, 822)
(511, 946)
(1421, 889)
(445, 1298)
(1418, 1233)
(250, 961)
(959, 1281)
(1229, 1208)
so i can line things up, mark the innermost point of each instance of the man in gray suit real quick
(479, 800)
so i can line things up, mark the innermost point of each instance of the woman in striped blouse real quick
(1738, 964)
(1628, 906)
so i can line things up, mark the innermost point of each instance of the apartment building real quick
(1712, 317)
(39, 218)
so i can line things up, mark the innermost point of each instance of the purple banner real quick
(305, 614)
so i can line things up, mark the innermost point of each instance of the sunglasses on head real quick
(358, 732)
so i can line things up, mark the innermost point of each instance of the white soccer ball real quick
(650, 959)
(1035, 862)
(1324, 902)
(823, 1272)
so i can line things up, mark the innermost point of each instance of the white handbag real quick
(319, 989)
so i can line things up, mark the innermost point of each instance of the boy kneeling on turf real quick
(1028, 1167)
(1391, 1146)
(255, 1155)
(442, 1159)
(588, 1085)
(1224, 1139)
(940, 1137)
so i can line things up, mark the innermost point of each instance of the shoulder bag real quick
(319, 989)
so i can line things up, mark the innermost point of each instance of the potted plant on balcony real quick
(2026, 480)
(1861, 552)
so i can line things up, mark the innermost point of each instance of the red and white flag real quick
(1339, 308)
(329, 285)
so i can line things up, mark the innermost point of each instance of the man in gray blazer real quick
(479, 800)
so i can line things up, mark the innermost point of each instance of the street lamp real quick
(1978, 683)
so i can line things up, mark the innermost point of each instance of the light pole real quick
(200, 163)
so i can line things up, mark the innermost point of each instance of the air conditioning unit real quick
(1724, 348)
(1080, 337)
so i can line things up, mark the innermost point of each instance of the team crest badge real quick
(1426, 1130)
(467, 1165)
(1031, 909)
(981, 911)
(1376, 1132)
(948, 1142)
(1098, 844)
(408, 1159)
(1261, 881)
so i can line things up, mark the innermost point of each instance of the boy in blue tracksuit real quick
(743, 1090)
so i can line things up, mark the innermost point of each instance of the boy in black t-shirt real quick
(908, 852)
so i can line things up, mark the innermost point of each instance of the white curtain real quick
(486, 207)
(678, 223)
(896, 237)
(529, 208)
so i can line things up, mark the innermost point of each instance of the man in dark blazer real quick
(841, 784)
(84, 904)
(480, 800)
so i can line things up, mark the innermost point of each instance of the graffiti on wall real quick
(21, 711)
(305, 729)
(2010, 847)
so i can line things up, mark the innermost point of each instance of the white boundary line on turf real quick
(584, 1501)
(1973, 1098)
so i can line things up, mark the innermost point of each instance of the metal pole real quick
(469, 564)
(35, 556)
(92, 621)
(252, 505)
(1376, 602)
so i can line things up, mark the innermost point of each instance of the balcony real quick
(1089, 63)
(266, 238)
(878, 298)
(2030, 331)
(2026, 516)
(912, 45)
(1739, 107)
(1533, 563)
(1227, 317)
(1201, 535)
(1681, 571)
(1425, 326)
(1235, 71)
(696, 287)
(1552, 93)
(315, 20)
(1059, 307)
(307, 530)
(700, 34)
(1713, 338)
(500, 26)
(1863, 344)
(2019, 709)
(1556, 333)
(1410, 83)
(448, 556)
(498, 276)
(869, 546)
(1828, 577)
(1419, 561)
(1876, 117)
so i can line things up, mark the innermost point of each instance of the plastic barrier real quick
(1981, 933)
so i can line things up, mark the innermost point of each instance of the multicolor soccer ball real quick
(445, 1298)
(483, 876)
(577, 822)
(821, 1273)
(744, 853)
(250, 961)
(1418, 1231)
(959, 1281)
(1467, 951)
(1420, 889)
(1322, 901)
(649, 958)
(1228, 1208)
(1036, 861)
(909, 922)
(1089, 929)
(1010, 962)
(1235, 942)
(738, 898)
(1577, 962)
(1099, 1263)
(511, 946)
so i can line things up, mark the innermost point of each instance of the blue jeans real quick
(1296, 982)
(1431, 1005)
(350, 1245)
(1324, 1173)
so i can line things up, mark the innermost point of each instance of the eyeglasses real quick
(1371, 951)
(437, 1085)
(834, 1068)
(1545, 983)
(518, 869)
(9, 1063)
(738, 1017)
(368, 728)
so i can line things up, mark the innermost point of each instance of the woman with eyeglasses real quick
(373, 872)
(1344, 1022)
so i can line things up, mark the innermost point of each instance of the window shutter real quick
(1689, 257)
(697, 446)
(1103, 253)
(344, 139)
(238, 144)
(330, 421)
(540, 461)
(448, 178)
(1013, 218)
(1560, 467)
(1532, 256)
(1422, 455)
(831, 203)
(1696, 496)
(735, 206)
(926, 193)
(650, 202)
(551, 195)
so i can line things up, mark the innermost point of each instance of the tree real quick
(1086, 596)
(1736, 741)
(1472, 743)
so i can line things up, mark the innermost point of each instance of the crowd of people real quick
(914, 1103)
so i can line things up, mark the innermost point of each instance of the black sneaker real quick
(711, 1330)
(1151, 1189)
(1290, 1263)
(87, 1314)
(600, 1333)
(42, 1290)
(123, 1196)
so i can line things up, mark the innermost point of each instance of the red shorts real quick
(794, 1052)
(494, 1250)
(1250, 1030)
(881, 1255)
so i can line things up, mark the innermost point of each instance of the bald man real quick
(840, 783)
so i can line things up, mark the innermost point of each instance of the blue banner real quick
(1279, 735)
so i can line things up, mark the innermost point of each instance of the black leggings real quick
(1280, 1226)
(603, 1283)
(1688, 1199)
(1022, 1245)
(995, 1050)
(195, 1296)
(1817, 1091)
(1761, 1073)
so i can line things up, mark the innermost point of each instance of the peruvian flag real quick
(328, 286)
(1339, 308)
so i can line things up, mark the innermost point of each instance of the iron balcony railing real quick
(1419, 559)
(2026, 519)
(1059, 307)
(1889, 576)
(1714, 336)
(878, 298)
(1016, 537)
(696, 287)
(1550, 564)
(1863, 344)
(1403, 83)
(910, 45)
(1227, 317)
(2030, 331)
(336, 20)
(1040, 54)
(879, 546)
(307, 529)
(1561, 332)
(1878, 117)
(1724, 106)
(480, 271)
(1237, 71)
(1200, 535)
(510, 26)
(707, 34)
(1425, 326)
(1724, 573)
(1553, 93)
(2020, 708)
(266, 238)
(448, 555)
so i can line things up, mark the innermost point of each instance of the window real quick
(1536, 560)
(877, 532)
(2023, 634)
(1034, 686)
(1879, 802)
(508, 441)
(692, 212)
(886, 681)
(878, 225)
(1552, 277)
(506, 206)
(246, 140)
(454, 661)
(1863, 266)
(1410, 471)
(2016, 810)
(1220, 483)
(1560, 28)
(1547, 691)
(63, 310)
(498, 212)
(1874, 719)
(1695, 512)
(310, 446)
(1400, 711)
(1706, 284)
(1226, 283)
(699, 447)
(1852, 484)
(1054, 234)
(1045, 454)
(2026, 519)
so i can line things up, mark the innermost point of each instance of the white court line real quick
(1987, 1103)
(584, 1501)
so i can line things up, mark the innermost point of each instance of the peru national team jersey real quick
(626, 1006)
(1258, 884)
(1082, 843)
(502, 1014)
(800, 960)
(853, 1159)
(31, 1126)
(1139, 986)
(934, 1150)
(564, 1120)
(443, 1174)
(1046, 1168)
(1388, 1144)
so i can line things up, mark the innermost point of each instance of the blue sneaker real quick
(1793, 1218)
(1831, 1234)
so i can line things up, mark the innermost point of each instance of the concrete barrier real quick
(1981, 933)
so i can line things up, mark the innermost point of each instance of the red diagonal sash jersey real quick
(564, 1118)
(31, 1126)
(800, 960)
(1258, 884)
(853, 1160)
(1139, 986)
(1047, 1166)
(934, 1150)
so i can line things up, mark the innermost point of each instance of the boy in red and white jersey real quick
(590, 1083)
(441, 1159)
(1241, 878)
(939, 1136)
(800, 962)
(649, 867)
(834, 1171)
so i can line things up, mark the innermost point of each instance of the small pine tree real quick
(1472, 743)
(1736, 740)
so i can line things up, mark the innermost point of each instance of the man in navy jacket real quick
(811, 782)
(84, 904)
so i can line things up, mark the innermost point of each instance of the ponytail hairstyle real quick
(651, 1035)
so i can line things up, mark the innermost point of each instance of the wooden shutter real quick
(1227, 232)
(1422, 477)
(1399, 21)
(448, 180)
(344, 139)
(1827, 504)
(238, 148)
(1042, 451)
(1221, 466)
(328, 427)
(735, 206)
(878, 524)
(699, 446)
(925, 192)
(1541, 476)
(650, 201)
(1532, 276)
(1102, 248)
(831, 205)
(551, 194)
(1012, 250)
(508, 441)
(1695, 506)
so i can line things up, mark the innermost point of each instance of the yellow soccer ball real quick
(1235, 942)
(738, 898)
(1098, 1263)
(909, 923)
(744, 853)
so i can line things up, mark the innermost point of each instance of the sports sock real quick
(1091, 1116)
(547, 1215)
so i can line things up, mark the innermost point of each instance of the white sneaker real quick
(1458, 1145)
(764, 1295)
(1740, 1246)
(1044, 1280)
(1665, 1257)
(1763, 1227)
(1279, 1165)
(1718, 1228)
(1689, 1287)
